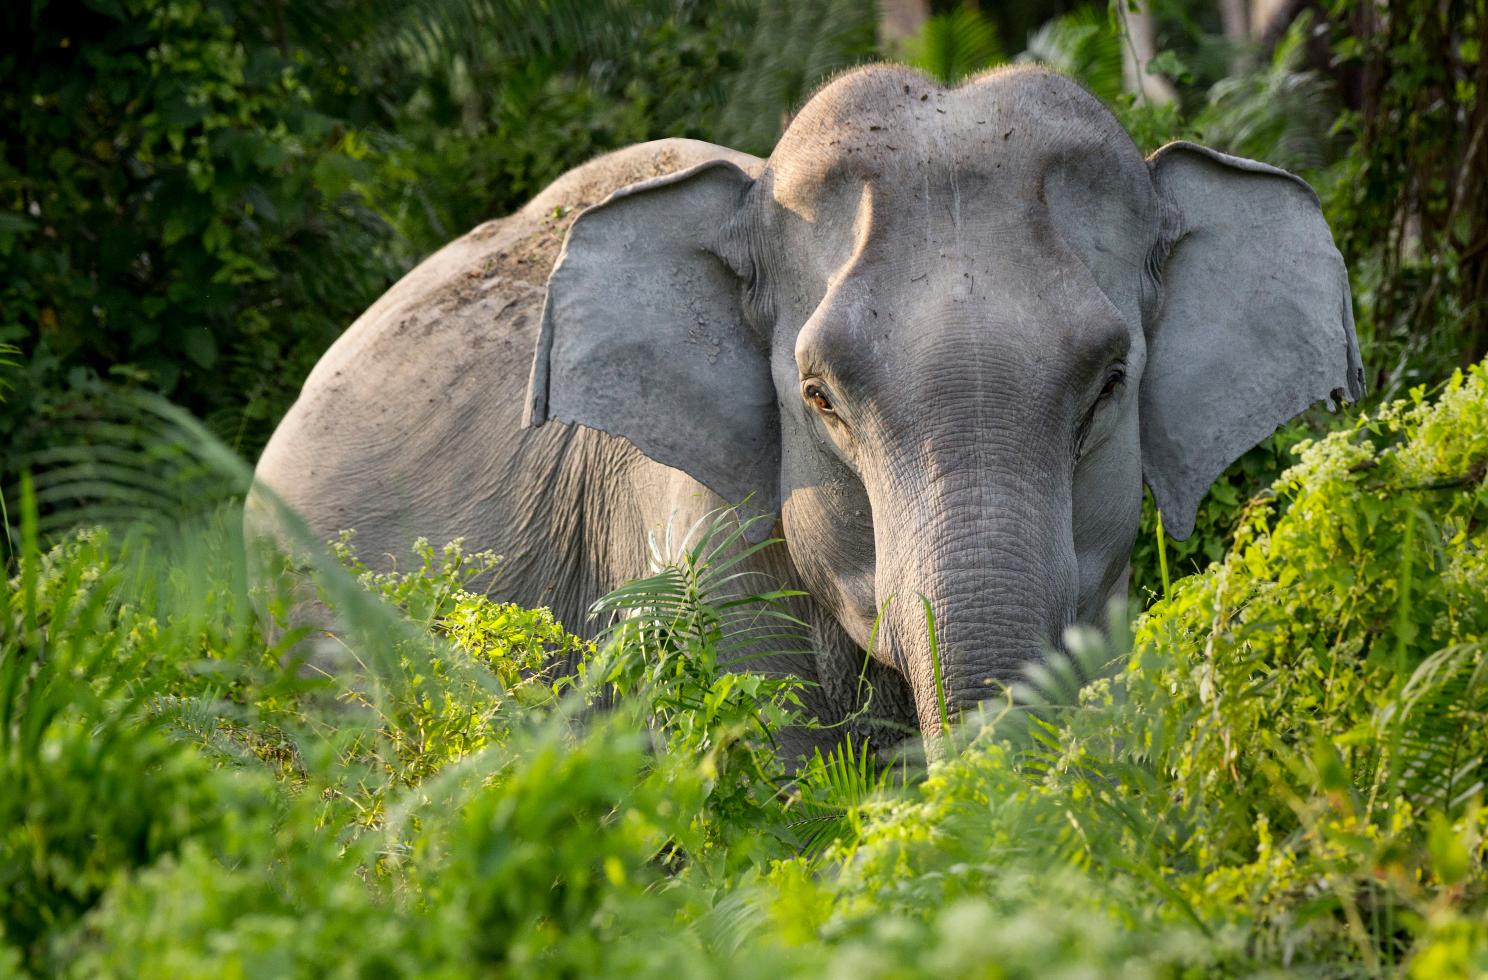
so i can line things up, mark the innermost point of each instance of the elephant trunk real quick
(994, 560)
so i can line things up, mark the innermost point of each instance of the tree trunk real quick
(1139, 47)
(1235, 16)
(899, 19)
(1264, 15)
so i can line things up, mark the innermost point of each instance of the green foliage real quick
(198, 197)
(1408, 203)
(1285, 776)
(1282, 113)
(949, 47)
(1082, 45)
(682, 640)
(8, 362)
(1280, 769)
(95, 785)
(792, 49)
(1305, 660)
(1219, 514)
(836, 789)
(487, 128)
(176, 208)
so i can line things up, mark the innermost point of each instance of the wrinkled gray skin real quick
(944, 334)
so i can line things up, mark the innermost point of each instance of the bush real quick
(197, 197)
(1282, 771)
(177, 212)
(1220, 512)
(1287, 773)
(1279, 770)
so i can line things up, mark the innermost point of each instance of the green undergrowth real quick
(1277, 770)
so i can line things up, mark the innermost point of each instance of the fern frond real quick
(832, 789)
(954, 45)
(8, 361)
(1083, 45)
(1279, 112)
(1430, 729)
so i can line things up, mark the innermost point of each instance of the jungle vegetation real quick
(1277, 768)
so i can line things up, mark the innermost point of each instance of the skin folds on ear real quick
(1255, 324)
(644, 337)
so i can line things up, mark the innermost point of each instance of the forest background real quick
(197, 197)
(1280, 769)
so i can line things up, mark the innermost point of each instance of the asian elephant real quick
(942, 335)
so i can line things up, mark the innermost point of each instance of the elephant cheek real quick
(1107, 512)
(830, 537)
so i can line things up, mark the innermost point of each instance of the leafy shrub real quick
(1281, 112)
(175, 208)
(1083, 45)
(1288, 771)
(95, 785)
(197, 197)
(1219, 514)
(1407, 202)
(1279, 770)
(949, 47)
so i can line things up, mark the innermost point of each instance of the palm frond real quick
(697, 590)
(730, 923)
(791, 49)
(833, 788)
(8, 362)
(1429, 729)
(1083, 45)
(1279, 112)
(131, 458)
(954, 45)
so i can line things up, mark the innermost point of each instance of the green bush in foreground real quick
(1282, 774)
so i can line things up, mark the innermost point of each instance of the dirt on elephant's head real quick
(529, 241)
(507, 261)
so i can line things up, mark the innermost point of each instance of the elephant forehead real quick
(995, 139)
(1044, 322)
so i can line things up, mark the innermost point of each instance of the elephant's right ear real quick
(644, 336)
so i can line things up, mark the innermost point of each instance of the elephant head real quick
(946, 335)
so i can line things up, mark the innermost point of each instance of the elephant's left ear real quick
(644, 336)
(1255, 322)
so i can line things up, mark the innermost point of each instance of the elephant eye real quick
(817, 396)
(1114, 380)
(1113, 383)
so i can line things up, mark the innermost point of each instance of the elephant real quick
(937, 342)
